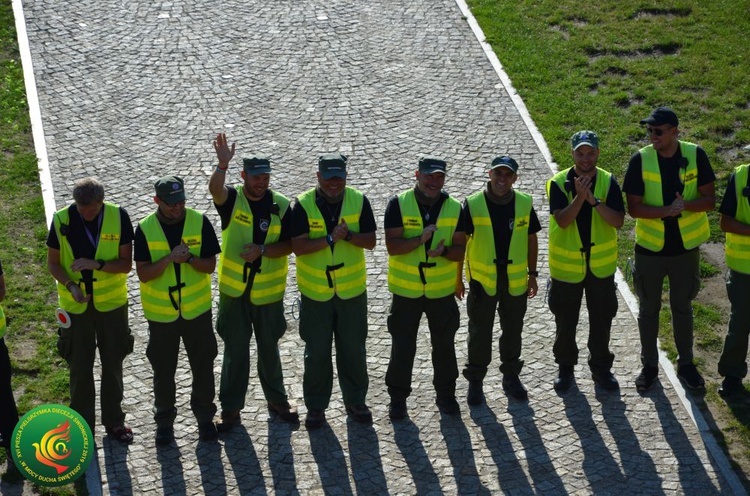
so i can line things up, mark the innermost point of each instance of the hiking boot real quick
(397, 409)
(475, 394)
(564, 378)
(730, 386)
(645, 379)
(605, 380)
(207, 431)
(315, 419)
(164, 435)
(229, 419)
(513, 387)
(360, 413)
(690, 376)
(448, 405)
(284, 411)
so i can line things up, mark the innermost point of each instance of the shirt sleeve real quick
(225, 210)
(393, 214)
(614, 196)
(534, 225)
(461, 224)
(141, 252)
(126, 228)
(52, 241)
(209, 244)
(633, 182)
(286, 225)
(705, 171)
(558, 200)
(729, 203)
(300, 224)
(468, 223)
(367, 219)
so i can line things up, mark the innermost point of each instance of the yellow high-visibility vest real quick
(737, 246)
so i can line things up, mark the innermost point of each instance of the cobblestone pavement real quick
(133, 90)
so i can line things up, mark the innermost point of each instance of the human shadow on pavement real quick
(244, 461)
(169, 458)
(637, 464)
(211, 466)
(364, 458)
(406, 435)
(739, 404)
(116, 466)
(281, 456)
(541, 470)
(601, 469)
(461, 454)
(693, 476)
(331, 460)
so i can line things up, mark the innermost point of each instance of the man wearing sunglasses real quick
(669, 187)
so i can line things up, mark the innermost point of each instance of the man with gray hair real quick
(89, 253)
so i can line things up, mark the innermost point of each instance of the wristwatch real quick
(348, 236)
(190, 260)
(262, 250)
(101, 264)
(597, 202)
(534, 273)
(329, 240)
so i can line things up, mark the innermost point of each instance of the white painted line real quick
(717, 454)
(35, 114)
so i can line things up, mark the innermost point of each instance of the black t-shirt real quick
(331, 213)
(261, 210)
(558, 200)
(502, 217)
(393, 218)
(173, 232)
(670, 185)
(81, 233)
(1, 268)
(729, 203)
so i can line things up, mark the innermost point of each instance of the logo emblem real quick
(264, 223)
(52, 445)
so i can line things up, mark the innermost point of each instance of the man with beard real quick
(253, 267)
(175, 254)
(332, 225)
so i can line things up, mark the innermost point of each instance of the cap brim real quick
(331, 174)
(257, 172)
(433, 171)
(507, 166)
(579, 145)
(173, 199)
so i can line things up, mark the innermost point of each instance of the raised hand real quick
(223, 152)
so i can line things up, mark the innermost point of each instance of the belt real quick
(332, 268)
(172, 289)
(425, 265)
(502, 262)
(252, 268)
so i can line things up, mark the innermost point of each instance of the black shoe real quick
(645, 379)
(284, 411)
(564, 378)
(315, 419)
(164, 435)
(475, 395)
(228, 420)
(605, 380)
(207, 431)
(360, 413)
(690, 376)
(397, 409)
(513, 387)
(448, 405)
(730, 386)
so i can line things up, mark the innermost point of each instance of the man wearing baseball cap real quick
(501, 258)
(669, 187)
(332, 226)
(587, 209)
(175, 252)
(253, 267)
(425, 238)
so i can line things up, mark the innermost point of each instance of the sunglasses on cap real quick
(653, 130)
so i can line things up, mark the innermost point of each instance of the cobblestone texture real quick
(131, 91)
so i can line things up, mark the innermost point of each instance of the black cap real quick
(170, 189)
(430, 165)
(504, 161)
(660, 116)
(332, 165)
(256, 165)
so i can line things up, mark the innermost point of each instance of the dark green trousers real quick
(684, 283)
(481, 309)
(319, 323)
(403, 325)
(162, 351)
(235, 324)
(77, 344)
(734, 356)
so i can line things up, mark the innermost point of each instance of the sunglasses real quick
(655, 131)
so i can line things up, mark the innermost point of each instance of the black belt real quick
(172, 289)
(88, 283)
(425, 265)
(587, 248)
(251, 267)
(332, 268)
(502, 262)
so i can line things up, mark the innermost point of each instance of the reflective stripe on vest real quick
(481, 264)
(737, 246)
(163, 300)
(109, 290)
(567, 259)
(340, 271)
(694, 228)
(269, 282)
(414, 274)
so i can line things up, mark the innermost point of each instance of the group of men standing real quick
(431, 239)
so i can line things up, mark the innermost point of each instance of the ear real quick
(243, 175)
(156, 200)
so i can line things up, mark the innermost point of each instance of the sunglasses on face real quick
(655, 131)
